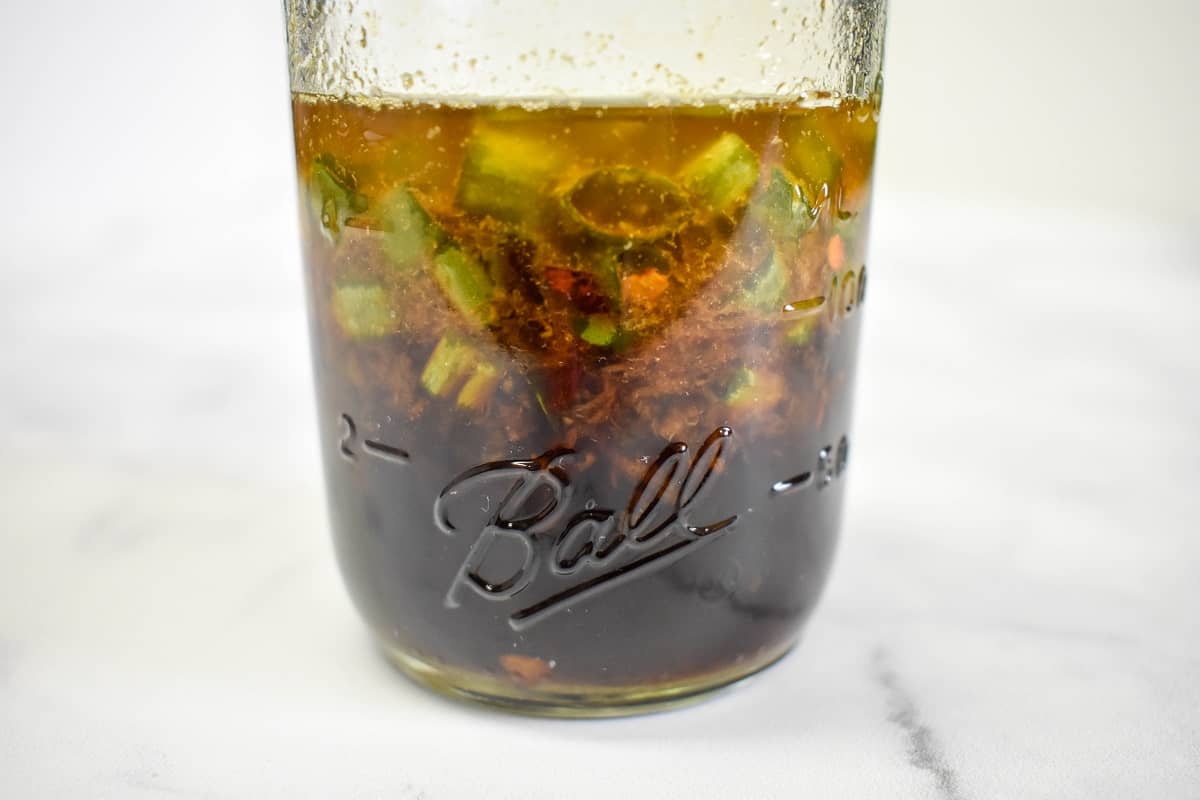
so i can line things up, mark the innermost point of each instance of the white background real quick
(1027, 103)
(1087, 104)
(1013, 609)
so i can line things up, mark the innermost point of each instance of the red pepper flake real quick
(836, 253)
(562, 385)
(560, 280)
(525, 669)
(579, 287)
(644, 288)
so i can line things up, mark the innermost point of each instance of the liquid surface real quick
(584, 376)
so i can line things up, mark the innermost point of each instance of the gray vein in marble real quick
(149, 782)
(924, 752)
(1058, 634)
(271, 584)
(8, 660)
(113, 530)
(407, 790)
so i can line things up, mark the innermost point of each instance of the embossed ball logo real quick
(587, 550)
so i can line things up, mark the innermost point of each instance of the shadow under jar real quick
(585, 289)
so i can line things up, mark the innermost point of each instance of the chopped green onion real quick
(815, 163)
(741, 390)
(410, 235)
(506, 176)
(605, 268)
(754, 391)
(457, 364)
(801, 331)
(447, 366)
(333, 195)
(601, 330)
(723, 175)
(465, 283)
(362, 311)
(782, 208)
(479, 386)
(627, 203)
(768, 288)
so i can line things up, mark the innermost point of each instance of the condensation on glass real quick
(585, 287)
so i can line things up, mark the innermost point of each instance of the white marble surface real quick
(1012, 614)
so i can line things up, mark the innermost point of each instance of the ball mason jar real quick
(585, 285)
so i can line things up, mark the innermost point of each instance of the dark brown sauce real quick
(584, 376)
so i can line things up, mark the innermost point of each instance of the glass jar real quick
(585, 287)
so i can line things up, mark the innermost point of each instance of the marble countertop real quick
(1012, 613)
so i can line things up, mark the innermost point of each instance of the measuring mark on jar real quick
(385, 451)
(811, 305)
(795, 484)
(348, 435)
(842, 297)
(831, 463)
